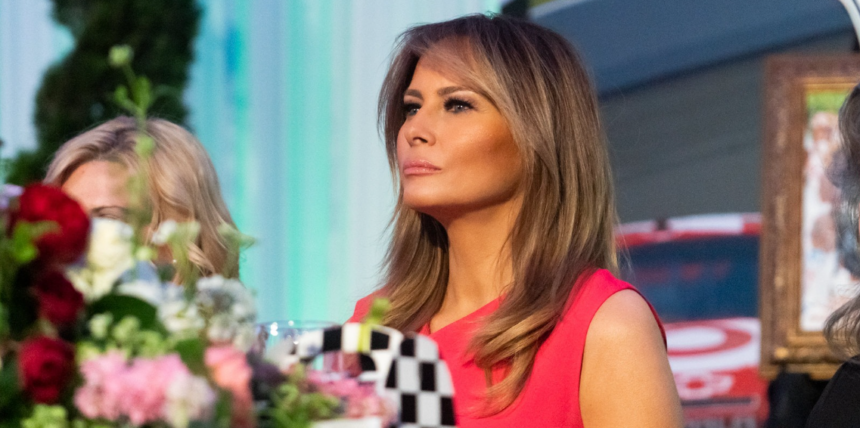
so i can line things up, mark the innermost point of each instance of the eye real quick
(410, 108)
(110, 213)
(457, 105)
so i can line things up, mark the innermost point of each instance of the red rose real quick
(39, 202)
(46, 366)
(59, 301)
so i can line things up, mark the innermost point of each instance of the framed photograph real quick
(801, 277)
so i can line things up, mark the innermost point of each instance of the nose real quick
(418, 129)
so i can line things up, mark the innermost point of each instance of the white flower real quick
(221, 295)
(229, 311)
(179, 316)
(165, 231)
(244, 337)
(108, 257)
(188, 398)
(152, 293)
(110, 245)
(221, 328)
(143, 282)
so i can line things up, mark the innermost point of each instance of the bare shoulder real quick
(626, 379)
(624, 316)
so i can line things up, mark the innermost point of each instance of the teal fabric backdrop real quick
(29, 42)
(283, 95)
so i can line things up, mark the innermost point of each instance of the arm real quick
(626, 380)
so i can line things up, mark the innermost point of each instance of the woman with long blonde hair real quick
(94, 168)
(502, 244)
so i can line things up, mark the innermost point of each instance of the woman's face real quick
(455, 151)
(100, 188)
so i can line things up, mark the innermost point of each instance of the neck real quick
(479, 256)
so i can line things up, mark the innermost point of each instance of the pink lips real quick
(419, 167)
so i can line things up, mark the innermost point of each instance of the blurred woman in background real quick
(837, 406)
(94, 168)
(502, 247)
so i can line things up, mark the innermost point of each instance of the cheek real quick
(401, 148)
(495, 161)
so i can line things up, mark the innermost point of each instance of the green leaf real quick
(24, 313)
(120, 95)
(22, 248)
(192, 352)
(144, 148)
(10, 388)
(120, 306)
(142, 93)
(4, 323)
(120, 55)
(223, 409)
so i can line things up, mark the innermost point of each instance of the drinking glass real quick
(285, 334)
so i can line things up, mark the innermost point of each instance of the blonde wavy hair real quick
(182, 182)
(564, 230)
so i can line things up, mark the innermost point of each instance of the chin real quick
(424, 205)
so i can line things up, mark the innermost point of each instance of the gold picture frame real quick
(801, 93)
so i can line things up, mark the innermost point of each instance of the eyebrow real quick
(441, 92)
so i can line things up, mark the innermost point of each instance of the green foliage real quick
(47, 417)
(126, 324)
(378, 309)
(192, 352)
(9, 383)
(21, 248)
(295, 407)
(17, 304)
(236, 242)
(22, 309)
(120, 306)
(178, 242)
(829, 101)
(18, 311)
(13, 404)
(77, 92)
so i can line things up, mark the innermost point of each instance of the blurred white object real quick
(373, 422)
(854, 12)
(108, 258)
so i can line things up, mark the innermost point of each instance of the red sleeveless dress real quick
(551, 395)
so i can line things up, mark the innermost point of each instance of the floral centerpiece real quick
(94, 334)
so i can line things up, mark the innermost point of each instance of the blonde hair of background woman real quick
(565, 228)
(183, 184)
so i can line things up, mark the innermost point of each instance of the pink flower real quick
(98, 397)
(365, 402)
(333, 384)
(141, 391)
(361, 399)
(230, 370)
(146, 381)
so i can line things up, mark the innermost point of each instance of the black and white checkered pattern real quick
(420, 383)
(408, 370)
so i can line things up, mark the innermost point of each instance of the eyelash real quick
(111, 216)
(410, 108)
(454, 105)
